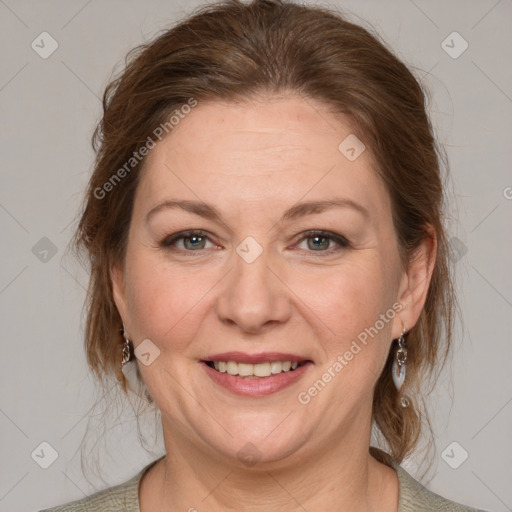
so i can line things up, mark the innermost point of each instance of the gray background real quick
(49, 108)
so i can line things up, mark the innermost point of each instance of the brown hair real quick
(233, 51)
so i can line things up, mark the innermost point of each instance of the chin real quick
(258, 442)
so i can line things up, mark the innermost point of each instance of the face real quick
(248, 279)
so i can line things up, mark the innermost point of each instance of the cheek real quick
(348, 298)
(165, 300)
(169, 303)
(353, 305)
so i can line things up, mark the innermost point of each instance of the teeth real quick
(244, 370)
(254, 370)
(262, 370)
(232, 368)
(276, 367)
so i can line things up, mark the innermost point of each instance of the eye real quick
(191, 241)
(322, 241)
(197, 240)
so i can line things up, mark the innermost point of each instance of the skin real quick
(252, 161)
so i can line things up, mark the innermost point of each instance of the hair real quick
(232, 51)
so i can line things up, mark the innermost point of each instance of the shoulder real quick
(121, 497)
(414, 497)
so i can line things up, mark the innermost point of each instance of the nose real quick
(254, 298)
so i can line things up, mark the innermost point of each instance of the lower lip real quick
(261, 386)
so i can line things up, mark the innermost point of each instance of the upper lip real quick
(262, 357)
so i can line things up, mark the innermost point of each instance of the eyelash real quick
(170, 241)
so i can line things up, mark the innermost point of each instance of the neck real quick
(342, 476)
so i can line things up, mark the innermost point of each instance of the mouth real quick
(254, 371)
(255, 375)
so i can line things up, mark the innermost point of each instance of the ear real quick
(415, 283)
(118, 290)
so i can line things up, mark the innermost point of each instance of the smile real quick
(249, 371)
(255, 375)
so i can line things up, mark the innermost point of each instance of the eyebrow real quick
(299, 210)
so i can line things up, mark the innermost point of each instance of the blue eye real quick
(196, 240)
(321, 241)
(192, 240)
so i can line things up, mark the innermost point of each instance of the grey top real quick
(413, 497)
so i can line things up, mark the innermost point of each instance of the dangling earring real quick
(128, 352)
(400, 368)
(130, 370)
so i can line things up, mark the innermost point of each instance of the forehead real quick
(264, 151)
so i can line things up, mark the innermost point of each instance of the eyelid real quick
(340, 240)
(170, 240)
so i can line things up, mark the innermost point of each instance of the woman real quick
(264, 229)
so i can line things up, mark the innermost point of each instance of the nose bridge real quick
(253, 296)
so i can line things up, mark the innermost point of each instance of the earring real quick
(128, 352)
(400, 368)
(130, 370)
